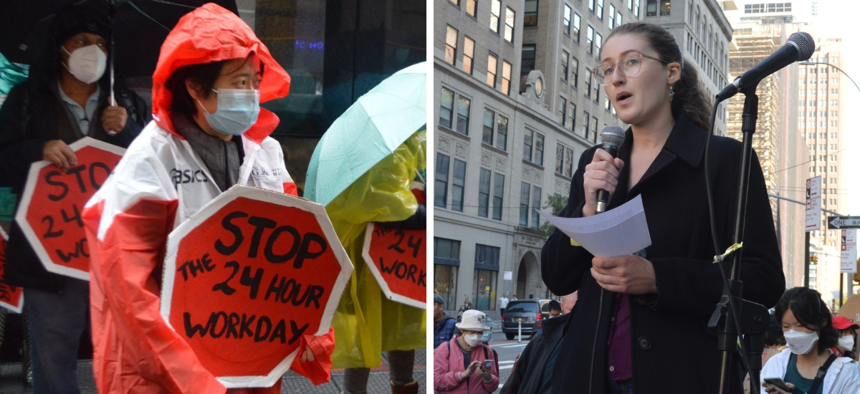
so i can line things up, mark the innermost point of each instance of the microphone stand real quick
(733, 313)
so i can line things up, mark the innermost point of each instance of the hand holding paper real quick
(620, 231)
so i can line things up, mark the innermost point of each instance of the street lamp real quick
(808, 63)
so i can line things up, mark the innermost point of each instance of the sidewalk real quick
(12, 380)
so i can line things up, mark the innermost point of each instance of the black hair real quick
(806, 306)
(554, 306)
(774, 335)
(689, 98)
(204, 74)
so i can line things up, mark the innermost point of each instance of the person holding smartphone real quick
(807, 365)
(464, 364)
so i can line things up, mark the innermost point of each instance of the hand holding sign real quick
(247, 277)
(53, 198)
(398, 260)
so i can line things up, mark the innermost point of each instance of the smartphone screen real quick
(778, 382)
(488, 364)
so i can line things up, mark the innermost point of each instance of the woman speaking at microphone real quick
(640, 325)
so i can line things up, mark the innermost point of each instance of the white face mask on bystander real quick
(846, 342)
(472, 339)
(800, 342)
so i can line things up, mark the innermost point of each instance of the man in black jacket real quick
(65, 99)
(533, 371)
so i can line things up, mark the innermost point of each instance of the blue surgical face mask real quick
(237, 110)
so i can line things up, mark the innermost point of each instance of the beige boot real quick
(408, 388)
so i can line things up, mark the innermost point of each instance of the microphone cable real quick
(714, 237)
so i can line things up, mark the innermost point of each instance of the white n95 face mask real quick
(87, 64)
(846, 342)
(237, 110)
(472, 339)
(800, 342)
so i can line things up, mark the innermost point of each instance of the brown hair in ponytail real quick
(689, 98)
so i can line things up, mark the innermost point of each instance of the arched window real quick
(698, 26)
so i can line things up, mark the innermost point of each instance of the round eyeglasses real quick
(631, 64)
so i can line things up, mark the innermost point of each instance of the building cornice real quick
(722, 21)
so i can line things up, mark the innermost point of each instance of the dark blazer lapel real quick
(685, 142)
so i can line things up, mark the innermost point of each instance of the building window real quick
(562, 110)
(533, 147)
(629, 4)
(591, 5)
(563, 161)
(506, 78)
(463, 115)
(571, 114)
(495, 16)
(446, 109)
(611, 18)
(536, 192)
(618, 19)
(585, 125)
(486, 275)
(530, 15)
(492, 66)
(447, 260)
(498, 195)
(574, 72)
(577, 21)
(484, 193)
(468, 54)
(600, 9)
(528, 142)
(595, 90)
(458, 185)
(568, 162)
(528, 63)
(441, 192)
(525, 191)
(594, 129)
(471, 7)
(589, 39)
(488, 127)
(559, 159)
(455, 2)
(502, 132)
(510, 20)
(567, 12)
(636, 8)
(587, 82)
(564, 59)
(606, 103)
(451, 45)
(651, 8)
(598, 42)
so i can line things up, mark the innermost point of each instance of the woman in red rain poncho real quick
(211, 75)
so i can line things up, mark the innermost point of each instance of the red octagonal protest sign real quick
(52, 202)
(398, 260)
(11, 297)
(247, 276)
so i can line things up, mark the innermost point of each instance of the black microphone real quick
(611, 137)
(800, 46)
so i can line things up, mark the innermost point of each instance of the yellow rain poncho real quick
(366, 323)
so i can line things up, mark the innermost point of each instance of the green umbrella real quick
(367, 132)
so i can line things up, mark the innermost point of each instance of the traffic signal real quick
(813, 260)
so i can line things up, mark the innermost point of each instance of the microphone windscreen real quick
(805, 44)
(612, 136)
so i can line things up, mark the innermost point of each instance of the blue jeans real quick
(621, 386)
(56, 323)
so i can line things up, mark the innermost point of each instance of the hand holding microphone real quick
(601, 175)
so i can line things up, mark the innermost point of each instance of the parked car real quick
(531, 312)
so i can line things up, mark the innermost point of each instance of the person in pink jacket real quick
(464, 364)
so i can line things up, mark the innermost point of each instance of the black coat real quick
(32, 114)
(673, 350)
(527, 376)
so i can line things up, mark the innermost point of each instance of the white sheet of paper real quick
(620, 231)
